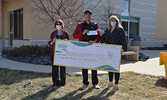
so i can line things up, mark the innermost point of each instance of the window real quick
(134, 27)
(125, 26)
(131, 26)
(125, 5)
(18, 24)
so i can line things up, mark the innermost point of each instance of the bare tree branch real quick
(70, 10)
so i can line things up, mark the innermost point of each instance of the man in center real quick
(82, 33)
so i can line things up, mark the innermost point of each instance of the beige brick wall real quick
(14, 5)
(161, 33)
(0, 19)
(33, 30)
(38, 33)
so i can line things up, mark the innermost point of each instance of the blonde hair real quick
(118, 25)
(59, 21)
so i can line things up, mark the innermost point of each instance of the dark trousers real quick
(85, 77)
(117, 76)
(55, 75)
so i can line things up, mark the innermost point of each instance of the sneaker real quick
(110, 84)
(115, 88)
(96, 86)
(84, 87)
(54, 86)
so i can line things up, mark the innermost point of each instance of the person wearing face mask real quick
(59, 33)
(81, 33)
(114, 34)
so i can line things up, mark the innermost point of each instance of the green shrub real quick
(27, 51)
(4, 51)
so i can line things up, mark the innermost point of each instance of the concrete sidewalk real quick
(15, 65)
(149, 67)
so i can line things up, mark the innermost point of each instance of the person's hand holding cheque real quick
(54, 41)
(122, 51)
(85, 32)
(100, 32)
(93, 32)
(91, 42)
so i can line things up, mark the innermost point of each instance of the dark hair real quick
(59, 21)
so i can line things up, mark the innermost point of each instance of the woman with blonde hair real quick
(114, 34)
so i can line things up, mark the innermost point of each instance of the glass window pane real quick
(18, 23)
(11, 22)
(125, 26)
(125, 5)
(134, 29)
(21, 24)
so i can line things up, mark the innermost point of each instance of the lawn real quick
(133, 86)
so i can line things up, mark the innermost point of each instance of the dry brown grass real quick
(132, 86)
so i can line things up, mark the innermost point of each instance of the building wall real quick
(42, 31)
(0, 25)
(0, 19)
(10, 5)
(34, 32)
(100, 9)
(161, 33)
(147, 11)
(38, 33)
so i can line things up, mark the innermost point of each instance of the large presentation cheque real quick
(82, 55)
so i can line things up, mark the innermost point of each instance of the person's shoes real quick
(115, 88)
(54, 86)
(110, 84)
(84, 87)
(96, 86)
(62, 85)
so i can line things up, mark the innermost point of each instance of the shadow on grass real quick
(162, 82)
(102, 95)
(9, 77)
(41, 95)
(72, 96)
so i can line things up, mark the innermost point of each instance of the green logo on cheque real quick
(62, 46)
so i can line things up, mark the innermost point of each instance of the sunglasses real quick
(59, 24)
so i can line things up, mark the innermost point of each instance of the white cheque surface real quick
(92, 33)
(83, 55)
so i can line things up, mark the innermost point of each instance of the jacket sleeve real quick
(77, 33)
(99, 36)
(103, 37)
(123, 39)
(50, 39)
(67, 35)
